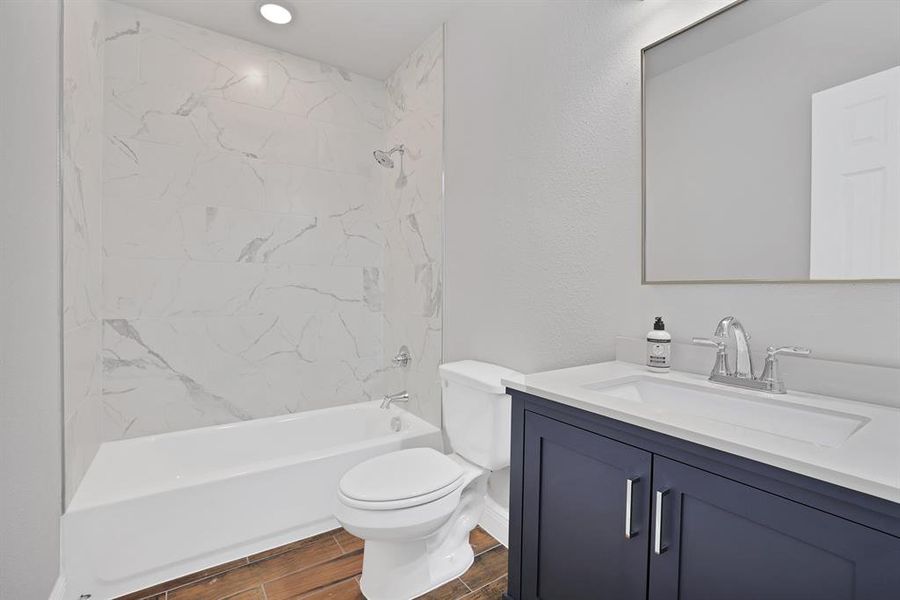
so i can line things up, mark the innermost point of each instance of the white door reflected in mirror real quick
(772, 145)
(855, 210)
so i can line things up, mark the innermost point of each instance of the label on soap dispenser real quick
(658, 353)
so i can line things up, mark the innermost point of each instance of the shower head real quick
(384, 159)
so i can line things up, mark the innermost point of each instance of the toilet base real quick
(405, 569)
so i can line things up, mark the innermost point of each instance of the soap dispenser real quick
(659, 348)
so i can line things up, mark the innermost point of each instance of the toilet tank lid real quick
(479, 375)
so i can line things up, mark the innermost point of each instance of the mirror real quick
(772, 145)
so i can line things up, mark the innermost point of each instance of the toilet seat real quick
(402, 479)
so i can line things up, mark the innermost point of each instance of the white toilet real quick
(415, 508)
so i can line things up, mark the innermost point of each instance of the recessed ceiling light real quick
(275, 13)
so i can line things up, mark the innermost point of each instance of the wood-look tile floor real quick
(323, 567)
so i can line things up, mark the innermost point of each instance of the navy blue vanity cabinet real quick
(587, 503)
(722, 539)
(600, 509)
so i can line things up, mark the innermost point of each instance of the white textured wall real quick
(543, 195)
(30, 404)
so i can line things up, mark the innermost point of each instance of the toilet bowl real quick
(413, 543)
(415, 508)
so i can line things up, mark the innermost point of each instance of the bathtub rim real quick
(418, 426)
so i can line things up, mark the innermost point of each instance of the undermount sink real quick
(784, 419)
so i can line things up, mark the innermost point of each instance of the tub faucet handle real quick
(402, 358)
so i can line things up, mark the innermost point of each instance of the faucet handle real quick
(712, 343)
(771, 374)
(402, 358)
(721, 365)
(772, 351)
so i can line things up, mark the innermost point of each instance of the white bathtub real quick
(155, 508)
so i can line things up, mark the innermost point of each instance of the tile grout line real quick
(306, 568)
(237, 593)
(484, 586)
(489, 549)
(472, 591)
(336, 541)
(284, 549)
(246, 563)
(325, 587)
(165, 592)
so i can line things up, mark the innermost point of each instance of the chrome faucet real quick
(731, 327)
(389, 399)
(742, 375)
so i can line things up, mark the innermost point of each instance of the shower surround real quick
(412, 224)
(242, 267)
(80, 160)
(256, 260)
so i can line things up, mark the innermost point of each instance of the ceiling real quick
(369, 37)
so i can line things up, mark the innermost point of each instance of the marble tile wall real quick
(82, 147)
(243, 262)
(255, 260)
(412, 224)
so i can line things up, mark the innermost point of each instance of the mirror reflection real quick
(772, 145)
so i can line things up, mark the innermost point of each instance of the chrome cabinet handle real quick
(629, 506)
(658, 547)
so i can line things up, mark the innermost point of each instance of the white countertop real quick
(868, 461)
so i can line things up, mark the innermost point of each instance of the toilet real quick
(415, 507)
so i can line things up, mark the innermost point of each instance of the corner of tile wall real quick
(412, 223)
(81, 164)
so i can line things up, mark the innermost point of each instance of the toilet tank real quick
(477, 411)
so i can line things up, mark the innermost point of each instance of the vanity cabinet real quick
(579, 510)
(602, 509)
(722, 539)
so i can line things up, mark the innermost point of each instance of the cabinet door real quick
(722, 539)
(576, 507)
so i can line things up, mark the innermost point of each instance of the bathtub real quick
(155, 508)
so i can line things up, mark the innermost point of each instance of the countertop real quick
(868, 461)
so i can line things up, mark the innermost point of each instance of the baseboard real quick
(59, 589)
(495, 520)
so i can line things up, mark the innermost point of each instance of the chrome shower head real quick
(384, 159)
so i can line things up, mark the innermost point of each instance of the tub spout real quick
(389, 399)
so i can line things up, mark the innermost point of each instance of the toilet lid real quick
(401, 475)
